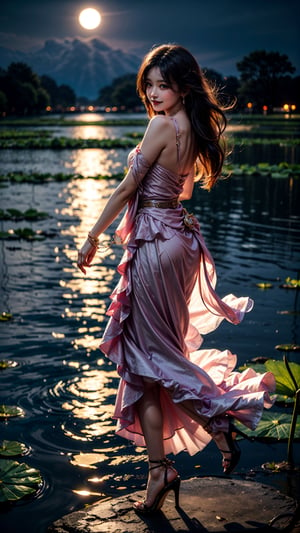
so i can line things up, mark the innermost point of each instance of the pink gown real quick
(163, 303)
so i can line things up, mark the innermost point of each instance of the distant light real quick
(48, 108)
(249, 105)
(89, 18)
(286, 107)
(85, 493)
(91, 108)
(293, 107)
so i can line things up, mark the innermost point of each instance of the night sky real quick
(219, 33)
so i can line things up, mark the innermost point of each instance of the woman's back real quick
(177, 147)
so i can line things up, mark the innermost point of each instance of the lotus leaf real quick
(284, 382)
(278, 175)
(15, 214)
(283, 399)
(10, 448)
(264, 285)
(8, 411)
(288, 347)
(4, 317)
(17, 480)
(7, 364)
(22, 233)
(292, 283)
(273, 425)
(258, 367)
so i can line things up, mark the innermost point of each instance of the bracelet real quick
(94, 241)
(104, 246)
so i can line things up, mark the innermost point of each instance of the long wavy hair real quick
(177, 65)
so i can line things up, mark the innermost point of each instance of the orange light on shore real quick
(289, 107)
(249, 105)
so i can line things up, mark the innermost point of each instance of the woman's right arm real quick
(114, 206)
(153, 143)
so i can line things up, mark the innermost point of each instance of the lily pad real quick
(258, 367)
(264, 285)
(291, 283)
(16, 214)
(284, 382)
(17, 480)
(288, 347)
(12, 448)
(284, 400)
(273, 425)
(283, 466)
(4, 317)
(9, 411)
(7, 364)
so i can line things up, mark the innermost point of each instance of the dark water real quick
(63, 382)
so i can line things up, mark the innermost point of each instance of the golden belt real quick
(160, 204)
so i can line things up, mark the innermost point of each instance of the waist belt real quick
(160, 204)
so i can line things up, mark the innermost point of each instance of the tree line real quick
(23, 92)
(265, 84)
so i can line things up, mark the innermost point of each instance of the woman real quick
(173, 396)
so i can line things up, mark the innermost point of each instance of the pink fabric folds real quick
(163, 303)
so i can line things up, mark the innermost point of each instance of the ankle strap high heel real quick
(162, 462)
(159, 499)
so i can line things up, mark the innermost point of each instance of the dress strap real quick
(177, 138)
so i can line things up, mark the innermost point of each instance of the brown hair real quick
(177, 65)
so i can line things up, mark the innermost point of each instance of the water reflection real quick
(89, 132)
(91, 162)
(88, 396)
(104, 162)
(87, 296)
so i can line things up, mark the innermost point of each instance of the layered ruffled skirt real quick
(164, 302)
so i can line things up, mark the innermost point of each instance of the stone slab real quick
(208, 504)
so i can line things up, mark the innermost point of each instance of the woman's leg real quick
(151, 419)
(221, 437)
(150, 415)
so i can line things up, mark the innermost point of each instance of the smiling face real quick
(163, 97)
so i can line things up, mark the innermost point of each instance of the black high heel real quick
(141, 507)
(234, 451)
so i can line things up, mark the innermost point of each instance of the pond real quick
(63, 382)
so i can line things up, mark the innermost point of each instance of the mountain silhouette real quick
(86, 65)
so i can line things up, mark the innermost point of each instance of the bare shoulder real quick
(157, 137)
(160, 127)
(160, 123)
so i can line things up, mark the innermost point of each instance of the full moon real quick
(90, 18)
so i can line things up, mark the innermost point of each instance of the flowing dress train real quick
(164, 302)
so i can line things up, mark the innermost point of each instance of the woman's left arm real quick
(188, 186)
